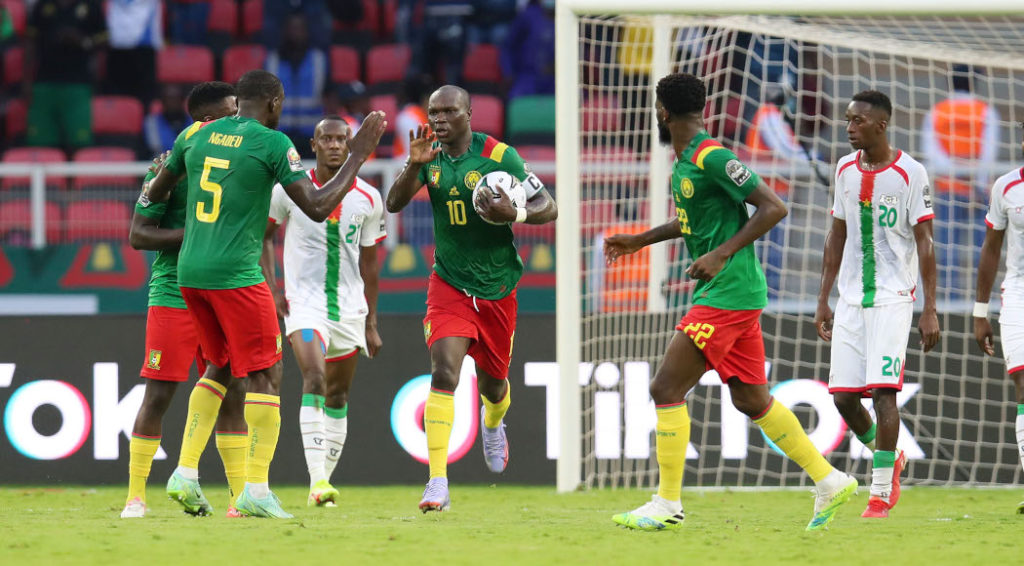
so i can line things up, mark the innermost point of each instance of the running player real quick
(711, 189)
(471, 297)
(171, 339)
(232, 164)
(330, 300)
(882, 195)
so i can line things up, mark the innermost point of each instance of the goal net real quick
(778, 87)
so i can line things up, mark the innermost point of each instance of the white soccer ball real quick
(499, 181)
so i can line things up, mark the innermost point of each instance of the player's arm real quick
(618, 245)
(988, 264)
(268, 263)
(318, 204)
(770, 210)
(835, 241)
(421, 152)
(368, 270)
(145, 232)
(168, 173)
(928, 324)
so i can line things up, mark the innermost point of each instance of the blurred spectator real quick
(136, 32)
(440, 42)
(491, 21)
(189, 19)
(61, 38)
(353, 104)
(6, 25)
(303, 73)
(412, 101)
(314, 13)
(161, 128)
(771, 132)
(528, 56)
(958, 133)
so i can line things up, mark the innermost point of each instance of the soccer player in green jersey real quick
(232, 165)
(171, 338)
(711, 189)
(471, 298)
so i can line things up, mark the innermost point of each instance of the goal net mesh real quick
(778, 88)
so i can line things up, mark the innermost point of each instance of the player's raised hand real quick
(366, 139)
(618, 245)
(928, 326)
(823, 321)
(983, 334)
(706, 266)
(158, 162)
(421, 142)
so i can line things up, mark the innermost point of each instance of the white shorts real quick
(1011, 331)
(869, 347)
(339, 339)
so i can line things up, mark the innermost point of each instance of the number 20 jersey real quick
(232, 165)
(880, 209)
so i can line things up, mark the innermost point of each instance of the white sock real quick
(258, 490)
(311, 425)
(187, 473)
(335, 430)
(881, 482)
(1020, 438)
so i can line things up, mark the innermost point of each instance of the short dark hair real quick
(258, 85)
(682, 93)
(204, 95)
(876, 99)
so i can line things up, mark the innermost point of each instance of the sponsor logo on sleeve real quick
(144, 201)
(737, 171)
(293, 160)
(927, 192)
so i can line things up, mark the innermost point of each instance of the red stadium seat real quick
(105, 155)
(15, 120)
(488, 115)
(97, 220)
(387, 63)
(389, 104)
(482, 65)
(534, 153)
(16, 8)
(344, 65)
(601, 114)
(184, 64)
(33, 155)
(223, 17)
(14, 60)
(252, 18)
(118, 115)
(240, 59)
(16, 216)
(388, 13)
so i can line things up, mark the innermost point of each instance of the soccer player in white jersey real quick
(881, 235)
(1005, 216)
(330, 301)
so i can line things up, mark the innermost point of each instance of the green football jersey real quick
(470, 254)
(232, 165)
(163, 279)
(708, 185)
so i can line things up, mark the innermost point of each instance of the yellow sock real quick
(141, 450)
(203, 406)
(263, 415)
(783, 428)
(231, 446)
(673, 436)
(494, 412)
(437, 421)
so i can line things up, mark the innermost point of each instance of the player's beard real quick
(664, 136)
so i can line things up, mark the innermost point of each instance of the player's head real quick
(448, 113)
(867, 118)
(212, 100)
(680, 97)
(262, 91)
(330, 142)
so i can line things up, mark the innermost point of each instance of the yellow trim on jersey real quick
(193, 129)
(704, 153)
(499, 151)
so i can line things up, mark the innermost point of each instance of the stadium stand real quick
(16, 222)
(187, 64)
(33, 155)
(104, 155)
(531, 120)
(345, 66)
(239, 59)
(90, 220)
(386, 64)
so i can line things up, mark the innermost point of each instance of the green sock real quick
(868, 438)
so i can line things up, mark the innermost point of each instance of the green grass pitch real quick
(489, 526)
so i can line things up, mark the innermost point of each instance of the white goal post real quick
(612, 327)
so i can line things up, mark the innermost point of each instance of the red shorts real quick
(237, 326)
(730, 340)
(491, 325)
(171, 344)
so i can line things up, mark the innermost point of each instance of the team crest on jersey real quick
(472, 178)
(154, 359)
(293, 160)
(426, 330)
(686, 187)
(434, 175)
(737, 171)
(277, 339)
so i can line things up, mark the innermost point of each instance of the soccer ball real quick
(500, 181)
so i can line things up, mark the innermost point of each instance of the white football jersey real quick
(321, 259)
(881, 209)
(1006, 212)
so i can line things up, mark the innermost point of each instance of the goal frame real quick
(568, 248)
